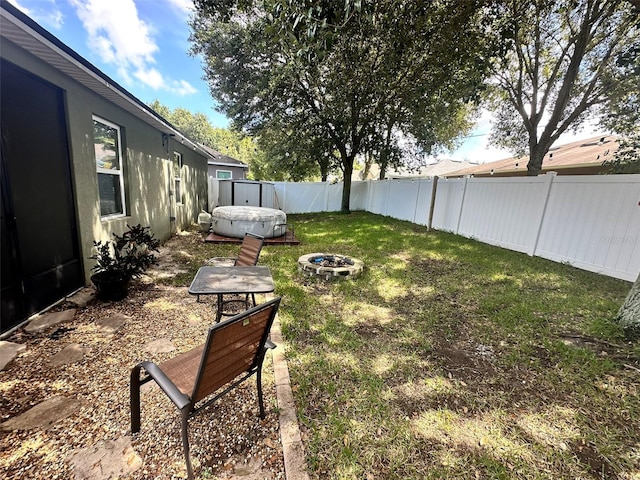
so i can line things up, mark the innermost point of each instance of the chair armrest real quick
(177, 397)
(220, 261)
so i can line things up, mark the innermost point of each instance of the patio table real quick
(222, 281)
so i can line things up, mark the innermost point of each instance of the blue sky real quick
(143, 45)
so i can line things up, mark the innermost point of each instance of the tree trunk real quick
(347, 163)
(629, 314)
(536, 155)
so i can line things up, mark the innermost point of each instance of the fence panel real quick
(378, 197)
(593, 223)
(333, 201)
(448, 205)
(499, 211)
(402, 199)
(213, 192)
(301, 197)
(423, 203)
(359, 195)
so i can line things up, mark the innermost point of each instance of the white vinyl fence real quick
(590, 221)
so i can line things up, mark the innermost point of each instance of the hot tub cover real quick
(235, 221)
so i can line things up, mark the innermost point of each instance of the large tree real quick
(198, 128)
(623, 109)
(623, 117)
(358, 76)
(557, 72)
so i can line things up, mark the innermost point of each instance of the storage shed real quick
(247, 193)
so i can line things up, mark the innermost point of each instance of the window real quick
(177, 176)
(223, 174)
(107, 145)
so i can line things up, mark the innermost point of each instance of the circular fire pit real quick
(329, 265)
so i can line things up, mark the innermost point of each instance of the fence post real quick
(464, 192)
(548, 182)
(434, 189)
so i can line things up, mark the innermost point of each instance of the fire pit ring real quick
(329, 265)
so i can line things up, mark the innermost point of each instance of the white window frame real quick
(109, 171)
(177, 177)
(224, 171)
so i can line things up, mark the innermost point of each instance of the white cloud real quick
(185, 6)
(151, 77)
(118, 35)
(182, 88)
(48, 13)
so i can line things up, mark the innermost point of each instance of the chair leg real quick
(185, 442)
(259, 384)
(219, 310)
(134, 390)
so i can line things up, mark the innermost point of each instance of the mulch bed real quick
(227, 439)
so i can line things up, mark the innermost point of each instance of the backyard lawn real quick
(448, 358)
(453, 359)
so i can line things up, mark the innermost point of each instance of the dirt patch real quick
(598, 465)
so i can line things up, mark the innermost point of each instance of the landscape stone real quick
(112, 323)
(83, 297)
(46, 320)
(43, 415)
(69, 354)
(9, 351)
(162, 345)
(105, 460)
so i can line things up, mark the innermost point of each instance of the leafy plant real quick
(128, 255)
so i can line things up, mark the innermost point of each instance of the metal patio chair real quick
(233, 352)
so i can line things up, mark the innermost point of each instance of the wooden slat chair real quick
(249, 254)
(233, 352)
(247, 257)
(249, 250)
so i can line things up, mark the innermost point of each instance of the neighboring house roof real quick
(438, 169)
(18, 28)
(217, 158)
(576, 158)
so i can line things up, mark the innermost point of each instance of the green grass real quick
(448, 358)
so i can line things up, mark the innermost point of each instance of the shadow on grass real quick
(448, 358)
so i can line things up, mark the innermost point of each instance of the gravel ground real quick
(228, 439)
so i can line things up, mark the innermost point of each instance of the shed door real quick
(247, 194)
(40, 253)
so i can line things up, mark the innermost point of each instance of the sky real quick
(144, 46)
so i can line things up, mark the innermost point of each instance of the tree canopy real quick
(342, 78)
(563, 65)
(198, 128)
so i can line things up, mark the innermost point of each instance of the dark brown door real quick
(40, 253)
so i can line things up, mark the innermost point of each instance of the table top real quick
(228, 280)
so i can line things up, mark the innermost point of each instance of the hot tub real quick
(235, 221)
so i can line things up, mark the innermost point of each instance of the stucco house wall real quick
(148, 165)
(148, 146)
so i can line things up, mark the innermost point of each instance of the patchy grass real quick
(448, 358)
